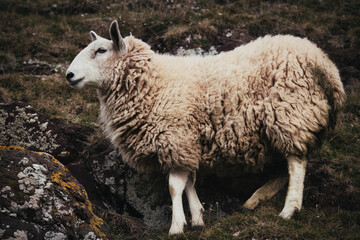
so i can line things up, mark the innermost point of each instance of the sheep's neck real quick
(125, 105)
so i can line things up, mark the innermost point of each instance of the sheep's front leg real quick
(196, 208)
(294, 196)
(177, 183)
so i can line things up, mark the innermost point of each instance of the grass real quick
(57, 30)
(38, 40)
(52, 96)
(343, 145)
(263, 223)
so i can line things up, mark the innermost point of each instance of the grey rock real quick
(22, 125)
(40, 199)
(131, 193)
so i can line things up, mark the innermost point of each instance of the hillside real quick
(39, 39)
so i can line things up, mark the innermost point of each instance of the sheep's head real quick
(95, 63)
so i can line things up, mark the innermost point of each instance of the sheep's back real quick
(260, 102)
(270, 97)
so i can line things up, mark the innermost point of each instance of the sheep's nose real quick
(69, 76)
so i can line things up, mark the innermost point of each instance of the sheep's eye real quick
(100, 50)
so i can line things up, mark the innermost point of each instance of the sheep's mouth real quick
(74, 82)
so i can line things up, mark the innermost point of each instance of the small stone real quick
(6, 188)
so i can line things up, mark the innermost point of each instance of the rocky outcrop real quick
(21, 125)
(141, 195)
(40, 199)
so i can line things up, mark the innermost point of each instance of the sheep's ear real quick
(93, 35)
(116, 37)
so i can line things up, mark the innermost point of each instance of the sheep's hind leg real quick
(265, 192)
(196, 208)
(177, 183)
(294, 196)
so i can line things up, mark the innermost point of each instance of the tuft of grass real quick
(176, 32)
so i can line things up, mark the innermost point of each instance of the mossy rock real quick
(40, 199)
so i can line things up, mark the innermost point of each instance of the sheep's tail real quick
(332, 85)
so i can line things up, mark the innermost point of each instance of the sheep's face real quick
(94, 64)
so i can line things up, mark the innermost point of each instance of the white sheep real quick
(263, 103)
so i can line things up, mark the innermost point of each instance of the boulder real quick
(22, 125)
(125, 191)
(40, 199)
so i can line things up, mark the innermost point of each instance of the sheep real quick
(263, 103)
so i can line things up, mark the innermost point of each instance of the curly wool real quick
(273, 95)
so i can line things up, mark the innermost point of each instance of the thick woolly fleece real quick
(273, 95)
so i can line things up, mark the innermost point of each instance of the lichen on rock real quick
(129, 192)
(22, 125)
(41, 198)
(24, 128)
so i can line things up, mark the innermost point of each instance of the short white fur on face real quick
(94, 64)
(90, 65)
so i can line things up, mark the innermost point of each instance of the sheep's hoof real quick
(174, 231)
(245, 210)
(287, 214)
(251, 203)
(177, 229)
(197, 227)
(197, 223)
